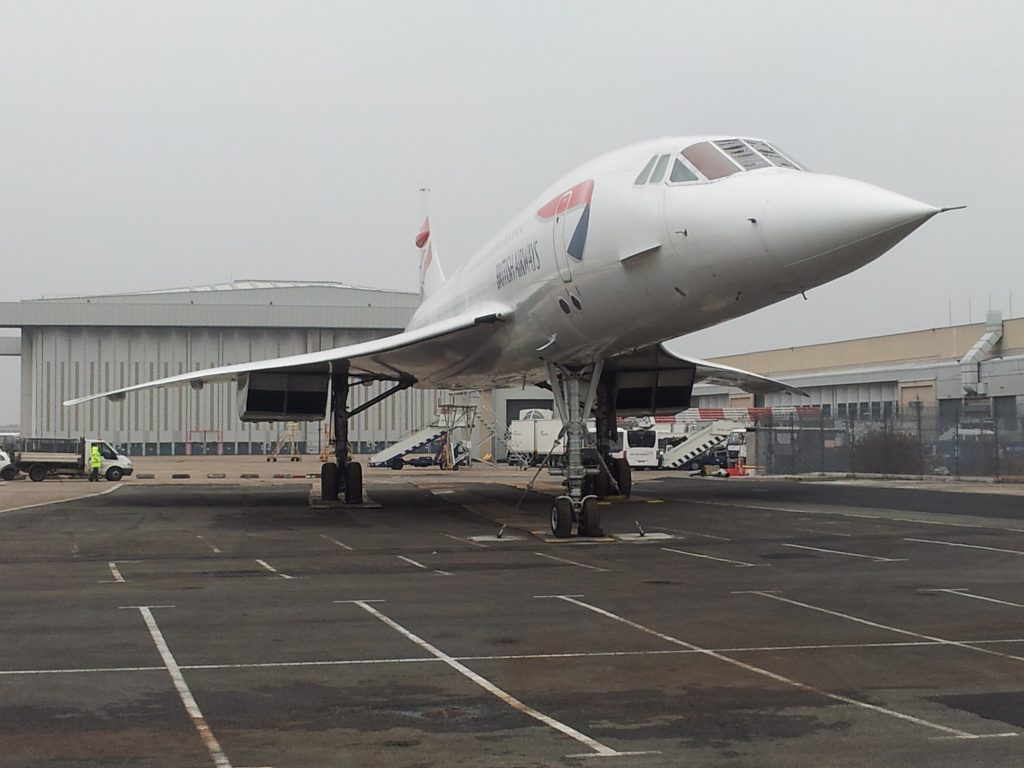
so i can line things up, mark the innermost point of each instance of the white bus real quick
(639, 448)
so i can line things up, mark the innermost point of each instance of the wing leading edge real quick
(401, 355)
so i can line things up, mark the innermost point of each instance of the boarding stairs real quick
(694, 446)
(448, 418)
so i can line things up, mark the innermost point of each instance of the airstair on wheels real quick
(694, 446)
(498, 434)
(450, 417)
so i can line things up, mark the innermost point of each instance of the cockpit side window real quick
(642, 178)
(707, 159)
(659, 170)
(681, 172)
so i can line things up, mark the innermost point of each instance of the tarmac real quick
(754, 622)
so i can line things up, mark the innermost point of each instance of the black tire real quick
(561, 518)
(329, 482)
(590, 518)
(353, 483)
(114, 474)
(397, 463)
(624, 477)
(589, 485)
(37, 473)
(602, 485)
(8, 473)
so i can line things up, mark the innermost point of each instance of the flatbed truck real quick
(42, 457)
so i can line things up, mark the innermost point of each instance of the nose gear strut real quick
(575, 506)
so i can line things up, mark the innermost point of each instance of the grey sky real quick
(148, 145)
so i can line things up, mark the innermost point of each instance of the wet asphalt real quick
(756, 623)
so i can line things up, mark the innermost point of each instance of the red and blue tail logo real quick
(570, 200)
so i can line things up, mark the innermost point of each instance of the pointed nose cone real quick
(821, 227)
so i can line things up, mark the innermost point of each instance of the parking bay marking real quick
(335, 541)
(184, 693)
(778, 678)
(599, 749)
(116, 572)
(877, 625)
(571, 562)
(862, 516)
(849, 554)
(967, 593)
(737, 563)
(500, 657)
(966, 546)
(274, 570)
(207, 543)
(418, 564)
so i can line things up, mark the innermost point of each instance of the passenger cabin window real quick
(659, 170)
(681, 173)
(642, 178)
(707, 159)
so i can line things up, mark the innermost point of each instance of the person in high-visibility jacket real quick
(96, 462)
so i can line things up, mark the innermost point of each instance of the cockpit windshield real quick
(724, 157)
(715, 159)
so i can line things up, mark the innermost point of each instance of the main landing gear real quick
(345, 476)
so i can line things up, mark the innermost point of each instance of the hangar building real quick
(978, 365)
(75, 346)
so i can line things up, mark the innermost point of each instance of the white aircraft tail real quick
(431, 273)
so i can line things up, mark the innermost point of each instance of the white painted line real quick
(335, 541)
(967, 593)
(207, 543)
(849, 554)
(772, 675)
(883, 518)
(274, 570)
(827, 533)
(897, 630)
(571, 562)
(410, 561)
(465, 541)
(61, 501)
(737, 563)
(689, 533)
(506, 657)
(198, 721)
(492, 537)
(966, 546)
(487, 685)
(116, 572)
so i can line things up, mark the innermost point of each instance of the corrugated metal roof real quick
(234, 285)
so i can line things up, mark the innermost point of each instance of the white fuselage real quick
(657, 260)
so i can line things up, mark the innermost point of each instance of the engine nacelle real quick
(264, 396)
(651, 392)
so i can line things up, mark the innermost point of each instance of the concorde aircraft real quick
(582, 288)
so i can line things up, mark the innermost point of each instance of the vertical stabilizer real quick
(431, 274)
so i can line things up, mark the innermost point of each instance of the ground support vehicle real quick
(8, 471)
(41, 457)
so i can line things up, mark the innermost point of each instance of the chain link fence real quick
(915, 440)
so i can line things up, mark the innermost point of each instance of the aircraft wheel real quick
(353, 483)
(329, 482)
(602, 485)
(561, 517)
(623, 476)
(590, 518)
(37, 473)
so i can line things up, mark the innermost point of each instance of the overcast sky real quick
(148, 145)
